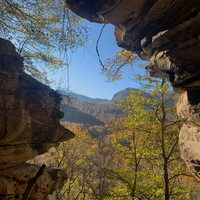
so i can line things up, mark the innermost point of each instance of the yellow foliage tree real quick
(73, 156)
(113, 68)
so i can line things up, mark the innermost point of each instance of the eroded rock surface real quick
(167, 34)
(29, 116)
(188, 109)
(14, 181)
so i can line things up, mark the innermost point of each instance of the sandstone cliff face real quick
(29, 115)
(165, 33)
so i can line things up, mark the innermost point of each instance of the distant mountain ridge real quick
(86, 110)
(87, 99)
(94, 112)
(73, 95)
(121, 95)
(116, 97)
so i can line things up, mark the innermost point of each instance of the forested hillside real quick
(75, 115)
(90, 114)
(88, 99)
(90, 111)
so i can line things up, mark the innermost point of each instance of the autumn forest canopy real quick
(134, 155)
(125, 150)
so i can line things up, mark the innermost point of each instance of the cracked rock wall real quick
(167, 34)
(29, 116)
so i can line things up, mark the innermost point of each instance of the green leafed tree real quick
(73, 156)
(40, 28)
(146, 158)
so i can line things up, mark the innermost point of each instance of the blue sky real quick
(84, 68)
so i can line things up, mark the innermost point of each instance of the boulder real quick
(15, 181)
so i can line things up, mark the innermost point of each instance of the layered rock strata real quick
(29, 115)
(167, 34)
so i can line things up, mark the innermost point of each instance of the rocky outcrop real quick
(14, 182)
(29, 115)
(188, 109)
(165, 33)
